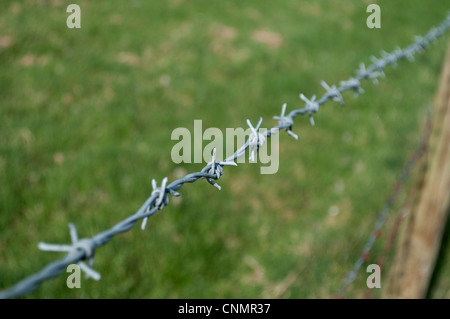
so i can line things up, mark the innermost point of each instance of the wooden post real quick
(419, 246)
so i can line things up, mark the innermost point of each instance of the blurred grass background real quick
(87, 114)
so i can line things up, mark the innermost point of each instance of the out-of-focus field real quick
(86, 117)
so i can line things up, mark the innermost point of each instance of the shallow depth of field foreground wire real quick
(83, 249)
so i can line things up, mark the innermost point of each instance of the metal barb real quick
(352, 84)
(363, 73)
(390, 58)
(255, 140)
(162, 198)
(84, 244)
(332, 92)
(286, 122)
(311, 106)
(216, 169)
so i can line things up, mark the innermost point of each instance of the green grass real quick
(86, 118)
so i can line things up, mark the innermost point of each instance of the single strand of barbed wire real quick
(369, 243)
(349, 280)
(31, 282)
(352, 274)
(148, 202)
(382, 219)
(133, 218)
(239, 153)
(272, 131)
(323, 99)
(358, 264)
(382, 216)
(343, 88)
(131, 222)
(301, 111)
(190, 178)
(123, 226)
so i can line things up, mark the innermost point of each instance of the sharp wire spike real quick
(161, 200)
(84, 244)
(333, 93)
(255, 140)
(311, 107)
(285, 122)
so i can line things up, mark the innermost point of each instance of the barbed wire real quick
(400, 216)
(382, 216)
(389, 241)
(84, 249)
